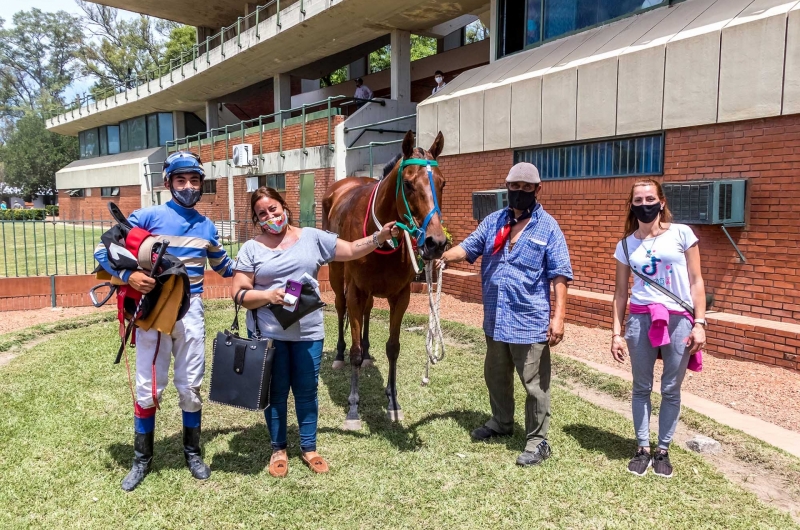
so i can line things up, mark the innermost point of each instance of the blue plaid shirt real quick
(516, 284)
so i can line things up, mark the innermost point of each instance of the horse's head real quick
(422, 184)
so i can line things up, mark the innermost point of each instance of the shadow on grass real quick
(248, 451)
(614, 446)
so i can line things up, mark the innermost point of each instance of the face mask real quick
(521, 200)
(439, 79)
(276, 225)
(646, 213)
(187, 197)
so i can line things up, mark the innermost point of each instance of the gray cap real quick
(524, 172)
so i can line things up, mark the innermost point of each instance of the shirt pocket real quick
(531, 253)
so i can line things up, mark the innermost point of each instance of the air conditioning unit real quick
(242, 155)
(488, 201)
(708, 202)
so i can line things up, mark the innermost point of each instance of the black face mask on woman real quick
(646, 213)
(521, 200)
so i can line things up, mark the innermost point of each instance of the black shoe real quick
(142, 461)
(191, 451)
(483, 433)
(534, 458)
(640, 462)
(661, 464)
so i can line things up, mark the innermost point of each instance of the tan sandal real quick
(278, 464)
(316, 463)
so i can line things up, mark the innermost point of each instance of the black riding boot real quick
(191, 450)
(142, 460)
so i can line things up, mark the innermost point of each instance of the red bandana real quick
(502, 234)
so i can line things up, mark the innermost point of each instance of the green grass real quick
(66, 438)
(42, 248)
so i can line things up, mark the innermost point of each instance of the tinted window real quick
(165, 128)
(112, 133)
(123, 137)
(152, 130)
(103, 141)
(137, 134)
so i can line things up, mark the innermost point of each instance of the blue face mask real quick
(187, 197)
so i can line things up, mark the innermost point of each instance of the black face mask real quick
(646, 213)
(521, 200)
(187, 197)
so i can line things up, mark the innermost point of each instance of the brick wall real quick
(591, 213)
(95, 207)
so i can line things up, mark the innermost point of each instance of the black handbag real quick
(241, 368)
(309, 301)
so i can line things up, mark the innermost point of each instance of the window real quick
(103, 141)
(88, 144)
(109, 192)
(530, 22)
(137, 134)
(152, 130)
(619, 157)
(112, 133)
(123, 137)
(76, 194)
(165, 132)
(209, 187)
(276, 182)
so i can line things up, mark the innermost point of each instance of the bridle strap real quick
(411, 225)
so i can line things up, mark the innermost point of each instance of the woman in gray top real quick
(284, 252)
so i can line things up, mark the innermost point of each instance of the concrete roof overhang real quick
(325, 29)
(210, 14)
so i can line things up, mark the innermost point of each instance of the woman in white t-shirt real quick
(667, 254)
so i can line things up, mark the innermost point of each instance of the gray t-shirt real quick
(271, 270)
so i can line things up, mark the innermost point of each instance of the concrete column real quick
(493, 35)
(401, 65)
(212, 115)
(282, 89)
(357, 69)
(178, 124)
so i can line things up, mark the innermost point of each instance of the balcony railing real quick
(177, 66)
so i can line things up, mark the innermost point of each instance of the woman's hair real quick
(631, 223)
(270, 193)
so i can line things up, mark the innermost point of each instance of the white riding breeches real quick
(187, 345)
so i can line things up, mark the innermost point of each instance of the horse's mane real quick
(390, 165)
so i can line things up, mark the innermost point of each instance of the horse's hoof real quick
(367, 363)
(352, 425)
(395, 415)
(338, 365)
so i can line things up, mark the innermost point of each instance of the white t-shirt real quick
(663, 259)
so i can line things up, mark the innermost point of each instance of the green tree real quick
(181, 39)
(475, 32)
(37, 60)
(421, 47)
(32, 155)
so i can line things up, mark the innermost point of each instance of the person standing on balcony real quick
(440, 84)
(362, 92)
(194, 240)
(524, 252)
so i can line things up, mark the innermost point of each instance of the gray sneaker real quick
(534, 458)
(640, 462)
(483, 433)
(661, 464)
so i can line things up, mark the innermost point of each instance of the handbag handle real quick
(655, 284)
(238, 301)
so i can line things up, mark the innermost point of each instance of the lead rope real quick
(434, 341)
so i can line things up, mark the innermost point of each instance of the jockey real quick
(193, 239)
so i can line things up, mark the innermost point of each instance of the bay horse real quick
(407, 194)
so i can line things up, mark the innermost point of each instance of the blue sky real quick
(9, 7)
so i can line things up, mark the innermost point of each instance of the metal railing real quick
(372, 127)
(370, 146)
(62, 247)
(200, 51)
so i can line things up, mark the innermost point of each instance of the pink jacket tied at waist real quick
(659, 329)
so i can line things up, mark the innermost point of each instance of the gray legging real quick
(643, 359)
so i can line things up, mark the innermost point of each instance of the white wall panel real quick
(559, 101)
(427, 124)
(691, 83)
(791, 81)
(526, 112)
(448, 119)
(497, 118)
(597, 99)
(471, 125)
(641, 91)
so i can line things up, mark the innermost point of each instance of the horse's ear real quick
(437, 146)
(408, 145)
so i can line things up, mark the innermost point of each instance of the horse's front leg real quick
(356, 300)
(397, 308)
(365, 335)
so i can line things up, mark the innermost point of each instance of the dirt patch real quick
(17, 320)
(769, 487)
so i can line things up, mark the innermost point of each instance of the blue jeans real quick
(643, 358)
(295, 366)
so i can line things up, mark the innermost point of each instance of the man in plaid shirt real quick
(524, 252)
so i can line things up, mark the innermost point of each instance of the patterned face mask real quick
(275, 225)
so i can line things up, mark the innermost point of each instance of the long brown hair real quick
(631, 222)
(269, 193)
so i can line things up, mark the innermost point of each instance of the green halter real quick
(410, 225)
